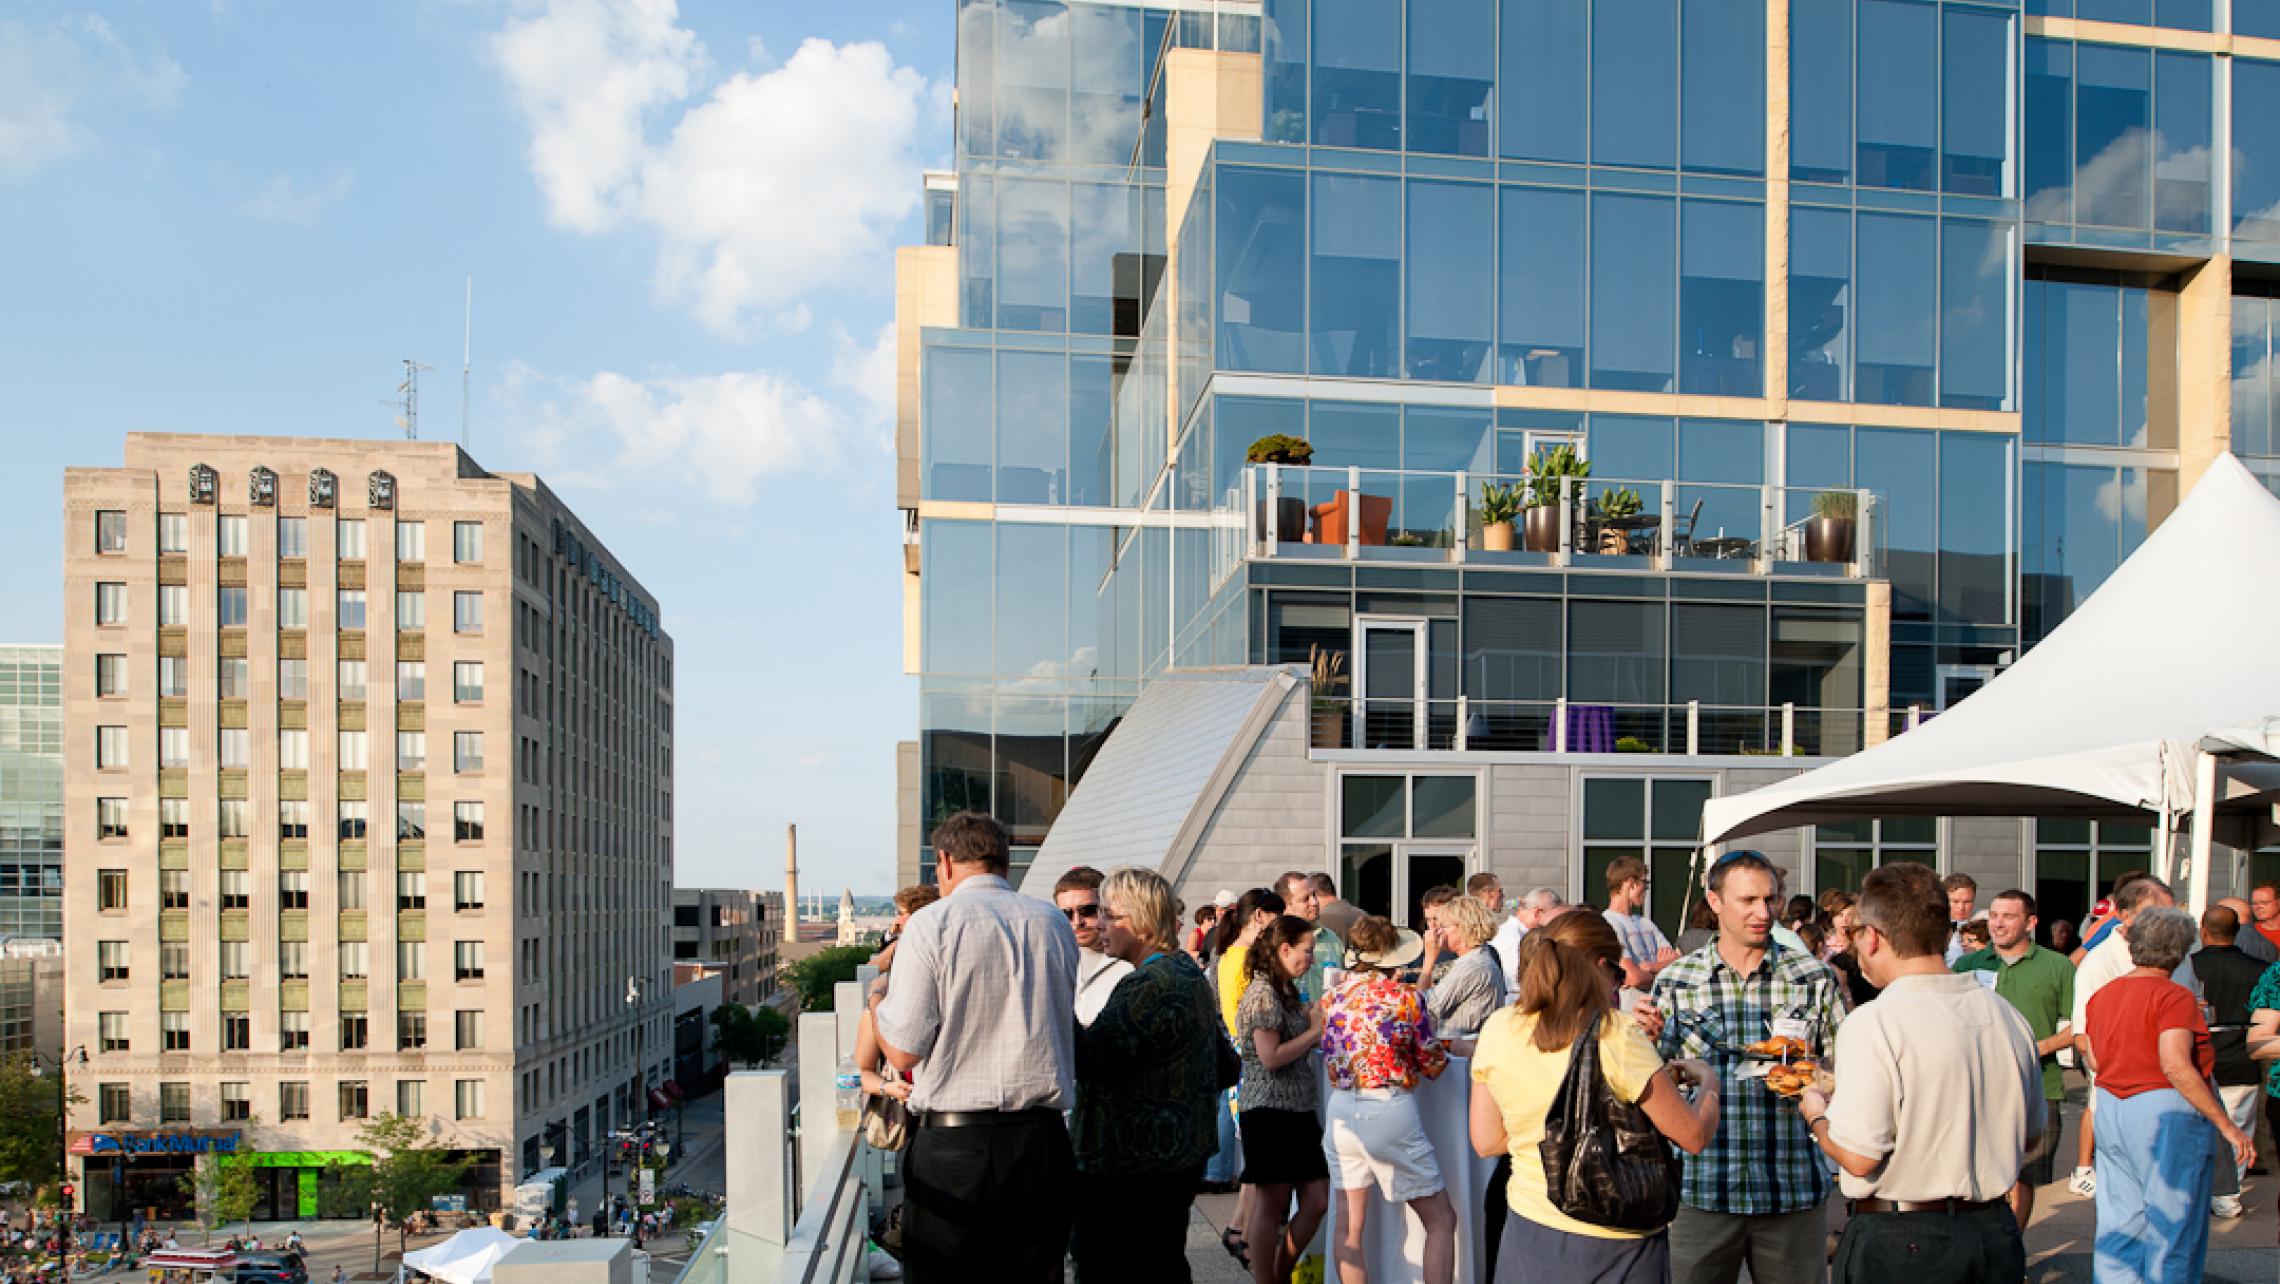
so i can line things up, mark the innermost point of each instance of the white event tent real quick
(2160, 694)
(465, 1258)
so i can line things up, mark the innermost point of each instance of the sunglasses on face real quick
(1075, 912)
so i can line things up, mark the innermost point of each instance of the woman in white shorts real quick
(1377, 1043)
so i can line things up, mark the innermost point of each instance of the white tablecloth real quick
(1394, 1238)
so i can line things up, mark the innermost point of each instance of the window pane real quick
(1678, 807)
(1443, 806)
(1030, 613)
(1105, 268)
(2256, 150)
(1975, 107)
(1544, 60)
(1975, 528)
(2113, 107)
(1897, 65)
(1897, 299)
(1615, 652)
(956, 581)
(1721, 300)
(1902, 465)
(1820, 303)
(1634, 321)
(1033, 255)
(1450, 232)
(1372, 807)
(1977, 275)
(1717, 654)
(1820, 91)
(1614, 809)
(1540, 295)
(1262, 273)
(1634, 82)
(2049, 127)
(1512, 649)
(1285, 70)
(1033, 80)
(1031, 435)
(1354, 281)
(1723, 114)
(1357, 74)
(1815, 659)
(2183, 118)
(958, 423)
(1452, 69)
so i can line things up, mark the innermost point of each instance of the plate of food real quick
(1792, 1078)
(1780, 1047)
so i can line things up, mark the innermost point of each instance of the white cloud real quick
(284, 200)
(48, 72)
(724, 434)
(783, 180)
(868, 371)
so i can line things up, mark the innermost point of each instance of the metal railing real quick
(801, 1188)
(1568, 726)
(1298, 511)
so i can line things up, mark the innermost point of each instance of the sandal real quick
(1232, 1240)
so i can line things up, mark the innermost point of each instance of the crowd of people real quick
(1078, 1072)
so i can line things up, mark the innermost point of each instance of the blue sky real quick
(239, 216)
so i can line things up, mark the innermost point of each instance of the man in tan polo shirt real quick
(1939, 1097)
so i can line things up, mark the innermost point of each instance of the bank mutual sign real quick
(156, 1143)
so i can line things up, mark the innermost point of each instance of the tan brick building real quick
(368, 808)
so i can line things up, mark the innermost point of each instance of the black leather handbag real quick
(1604, 1161)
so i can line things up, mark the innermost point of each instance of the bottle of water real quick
(850, 1095)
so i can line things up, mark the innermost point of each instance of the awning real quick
(191, 1259)
(2108, 715)
(465, 1258)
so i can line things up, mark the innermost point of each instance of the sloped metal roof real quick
(1164, 767)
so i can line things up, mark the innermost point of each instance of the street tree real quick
(813, 977)
(220, 1193)
(749, 1036)
(408, 1172)
(28, 1123)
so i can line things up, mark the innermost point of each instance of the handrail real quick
(828, 1242)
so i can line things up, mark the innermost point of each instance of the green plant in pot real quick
(1290, 513)
(1829, 533)
(1618, 505)
(1498, 506)
(1549, 472)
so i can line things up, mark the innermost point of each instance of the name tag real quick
(1792, 1028)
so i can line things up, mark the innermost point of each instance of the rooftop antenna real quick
(466, 352)
(406, 403)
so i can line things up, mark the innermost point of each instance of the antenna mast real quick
(407, 400)
(466, 353)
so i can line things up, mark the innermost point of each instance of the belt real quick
(1951, 1205)
(985, 1118)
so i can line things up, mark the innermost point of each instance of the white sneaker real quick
(2084, 1182)
(883, 1267)
(2225, 1206)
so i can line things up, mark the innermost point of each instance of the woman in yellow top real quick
(1239, 927)
(1571, 969)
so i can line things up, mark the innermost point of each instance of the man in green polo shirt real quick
(2040, 984)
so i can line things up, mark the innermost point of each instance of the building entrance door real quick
(1419, 868)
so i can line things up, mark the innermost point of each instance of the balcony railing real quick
(1372, 514)
(1567, 726)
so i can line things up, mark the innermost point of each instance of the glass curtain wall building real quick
(1929, 267)
(31, 791)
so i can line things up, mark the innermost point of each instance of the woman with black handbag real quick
(1594, 1183)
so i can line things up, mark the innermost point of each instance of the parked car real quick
(271, 1268)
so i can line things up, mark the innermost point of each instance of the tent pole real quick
(2164, 843)
(2204, 822)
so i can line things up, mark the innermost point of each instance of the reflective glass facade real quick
(1465, 230)
(31, 791)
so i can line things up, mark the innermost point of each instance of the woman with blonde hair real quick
(1377, 1044)
(1571, 971)
(1473, 987)
(1147, 1091)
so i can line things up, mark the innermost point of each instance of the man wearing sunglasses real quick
(1077, 894)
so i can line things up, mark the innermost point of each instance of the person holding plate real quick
(1929, 1182)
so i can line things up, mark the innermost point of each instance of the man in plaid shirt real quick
(1756, 1192)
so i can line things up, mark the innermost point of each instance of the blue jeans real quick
(2155, 1156)
(1222, 1166)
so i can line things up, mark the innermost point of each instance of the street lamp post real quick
(40, 1064)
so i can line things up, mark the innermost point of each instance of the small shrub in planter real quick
(1280, 448)
(1632, 744)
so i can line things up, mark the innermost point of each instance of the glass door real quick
(1421, 867)
(1389, 678)
(1960, 680)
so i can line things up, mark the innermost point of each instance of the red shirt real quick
(2126, 1017)
(2271, 933)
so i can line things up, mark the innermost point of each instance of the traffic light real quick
(69, 1191)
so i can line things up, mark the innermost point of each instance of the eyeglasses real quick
(1075, 912)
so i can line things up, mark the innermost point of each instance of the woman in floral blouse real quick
(1377, 1043)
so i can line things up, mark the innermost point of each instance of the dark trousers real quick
(1134, 1226)
(1978, 1247)
(1493, 1209)
(988, 1202)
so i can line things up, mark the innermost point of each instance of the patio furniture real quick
(1331, 516)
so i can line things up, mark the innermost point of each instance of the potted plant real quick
(1290, 513)
(1498, 506)
(1328, 707)
(1618, 505)
(1633, 744)
(1829, 535)
(1548, 475)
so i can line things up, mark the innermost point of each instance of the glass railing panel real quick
(1730, 731)
(1618, 518)
(1717, 522)
(1821, 526)
(1508, 726)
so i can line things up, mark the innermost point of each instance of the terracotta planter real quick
(1329, 729)
(1829, 539)
(1540, 528)
(1496, 537)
